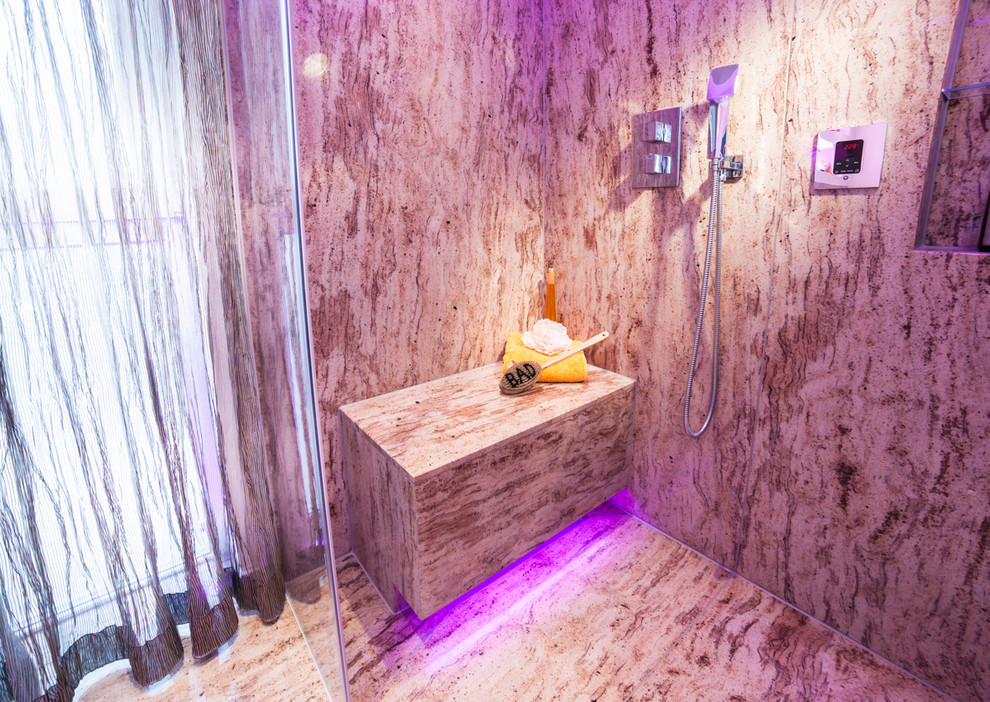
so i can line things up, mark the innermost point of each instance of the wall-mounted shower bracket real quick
(732, 167)
(656, 149)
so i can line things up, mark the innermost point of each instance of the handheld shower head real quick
(722, 84)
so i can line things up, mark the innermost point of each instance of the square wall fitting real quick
(656, 149)
(850, 157)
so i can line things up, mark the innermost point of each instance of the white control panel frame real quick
(850, 157)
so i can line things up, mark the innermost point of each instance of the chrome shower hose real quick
(714, 235)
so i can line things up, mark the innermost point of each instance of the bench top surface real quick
(440, 423)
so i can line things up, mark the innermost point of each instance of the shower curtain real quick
(136, 490)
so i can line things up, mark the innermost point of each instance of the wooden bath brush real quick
(521, 377)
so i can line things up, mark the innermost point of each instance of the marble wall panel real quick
(971, 65)
(868, 505)
(868, 494)
(420, 132)
(631, 261)
(959, 199)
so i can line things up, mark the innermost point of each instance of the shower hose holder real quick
(731, 167)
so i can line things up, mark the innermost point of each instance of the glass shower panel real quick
(261, 105)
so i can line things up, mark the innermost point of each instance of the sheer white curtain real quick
(134, 492)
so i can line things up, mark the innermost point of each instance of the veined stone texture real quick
(420, 130)
(450, 481)
(971, 66)
(750, 646)
(853, 382)
(609, 610)
(631, 261)
(865, 447)
(959, 200)
(868, 504)
(267, 661)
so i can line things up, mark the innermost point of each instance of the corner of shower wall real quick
(421, 156)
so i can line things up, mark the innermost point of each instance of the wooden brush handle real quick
(580, 347)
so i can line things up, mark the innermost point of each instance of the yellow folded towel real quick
(570, 370)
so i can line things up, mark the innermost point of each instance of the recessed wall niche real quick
(955, 201)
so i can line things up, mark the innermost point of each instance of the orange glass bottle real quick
(550, 304)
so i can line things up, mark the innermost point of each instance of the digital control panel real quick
(850, 157)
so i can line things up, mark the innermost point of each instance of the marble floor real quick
(608, 610)
(261, 663)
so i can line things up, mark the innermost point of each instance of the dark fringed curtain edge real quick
(159, 657)
(262, 592)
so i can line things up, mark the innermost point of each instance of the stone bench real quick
(449, 482)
